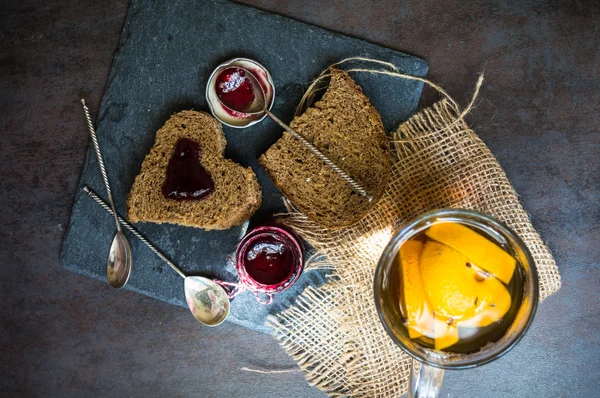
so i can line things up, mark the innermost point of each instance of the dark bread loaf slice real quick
(346, 128)
(236, 195)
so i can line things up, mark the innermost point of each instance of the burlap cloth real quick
(333, 332)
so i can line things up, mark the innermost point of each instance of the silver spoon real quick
(118, 267)
(260, 106)
(206, 299)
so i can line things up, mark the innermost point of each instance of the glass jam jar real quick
(270, 258)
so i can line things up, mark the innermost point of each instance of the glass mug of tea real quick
(455, 289)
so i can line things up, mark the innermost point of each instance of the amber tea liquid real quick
(459, 288)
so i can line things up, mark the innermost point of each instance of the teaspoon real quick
(260, 106)
(118, 267)
(207, 300)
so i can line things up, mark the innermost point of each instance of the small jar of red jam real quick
(230, 93)
(270, 258)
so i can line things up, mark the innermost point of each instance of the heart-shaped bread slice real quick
(346, 128)
(236, 193)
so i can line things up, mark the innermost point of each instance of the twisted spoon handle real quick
(100, 161)
(134, 231)
(351, 181)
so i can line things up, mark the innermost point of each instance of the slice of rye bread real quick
(237, 193)
(347, 129)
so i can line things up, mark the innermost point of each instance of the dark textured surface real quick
(62, 334)
(155, 73)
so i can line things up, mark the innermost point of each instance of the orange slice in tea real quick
(417, 311)
(461, 294)
(479, 250)
(493, 301)
(449, 284)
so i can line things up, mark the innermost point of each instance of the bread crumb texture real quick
(237, 193)
(347, 129)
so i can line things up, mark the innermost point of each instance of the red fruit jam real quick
(270, 258)
(186, 178)
(234, 89)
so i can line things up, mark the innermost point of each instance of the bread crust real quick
(347, 128)
(237, 193)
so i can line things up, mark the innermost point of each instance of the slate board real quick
(166, 54)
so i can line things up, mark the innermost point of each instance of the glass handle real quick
(425, 381)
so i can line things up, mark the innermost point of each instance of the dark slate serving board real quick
(167, 52)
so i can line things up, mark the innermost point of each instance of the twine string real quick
(308, 96)
(233, 289)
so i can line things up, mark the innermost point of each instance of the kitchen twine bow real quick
(245, 284)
